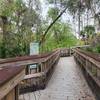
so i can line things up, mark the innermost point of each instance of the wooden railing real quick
(38, 69)
(65, 52)
(69, 51)
(39, 79)
(89, 63)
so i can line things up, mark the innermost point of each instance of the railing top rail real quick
(80, 46)
(87, 57)
(56, 52)
(27, 60)
(95, 56)
(10, 70)
(24, 58)
(8, 73)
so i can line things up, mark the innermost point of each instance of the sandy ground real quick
(67, 83)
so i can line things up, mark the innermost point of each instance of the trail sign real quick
(34, 50)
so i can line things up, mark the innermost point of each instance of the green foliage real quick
(98, 48)
(53, 13)
(94, 49)
(17, 20)
(21, 24)
(89, 30)
(95, 44)
(88, 33)
(72, 6)
(63, 37)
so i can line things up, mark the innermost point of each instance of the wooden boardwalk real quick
(67, 83)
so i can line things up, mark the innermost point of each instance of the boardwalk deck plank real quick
(67, 83)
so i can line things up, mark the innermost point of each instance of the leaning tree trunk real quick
(49, 27)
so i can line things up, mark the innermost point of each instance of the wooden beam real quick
(33, 75)
(7, 87)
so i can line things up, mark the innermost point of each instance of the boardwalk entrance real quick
(67, 83)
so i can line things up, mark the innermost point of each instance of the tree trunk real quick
(87, 17)
(45, 33)
(79, 21)
(5, 35)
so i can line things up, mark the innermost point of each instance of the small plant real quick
(98, 48)
(89, 49)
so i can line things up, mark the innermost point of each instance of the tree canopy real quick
(23, 22)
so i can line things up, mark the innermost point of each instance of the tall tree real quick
(19, 18)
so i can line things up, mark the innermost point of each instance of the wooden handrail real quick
(40, 78)
(90, 64)
(92, 60)
(23, 58)
(26, 60)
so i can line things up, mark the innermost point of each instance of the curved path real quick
(67, 83)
